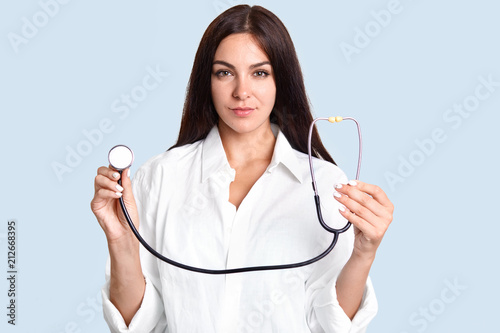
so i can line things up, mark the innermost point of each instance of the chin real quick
(244, 126)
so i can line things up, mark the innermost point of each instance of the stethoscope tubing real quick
(311, 168)
(221, 271)
(335, 232)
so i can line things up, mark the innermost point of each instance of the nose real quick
(242, 89)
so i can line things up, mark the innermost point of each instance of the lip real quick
(242, 111)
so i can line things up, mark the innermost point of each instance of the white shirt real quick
(183, 197)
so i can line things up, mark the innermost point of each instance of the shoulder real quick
(174, 156)
(298, 162)
(168, 162)
(323, 170)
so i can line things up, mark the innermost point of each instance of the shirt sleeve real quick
(150, 318)
(324, 313)
(328, 316)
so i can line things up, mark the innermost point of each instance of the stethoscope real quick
(121, 157)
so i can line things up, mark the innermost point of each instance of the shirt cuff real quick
(333, 318)
(144, 320)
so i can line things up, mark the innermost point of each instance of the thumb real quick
(128, 195)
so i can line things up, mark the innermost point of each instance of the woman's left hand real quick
(369, 210)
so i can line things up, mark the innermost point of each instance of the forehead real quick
(241, 47)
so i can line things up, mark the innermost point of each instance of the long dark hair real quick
(291, 111)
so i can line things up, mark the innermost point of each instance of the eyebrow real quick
(220, 62)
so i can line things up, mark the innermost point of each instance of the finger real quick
(361, 209)
(102, 182)
(361, 201)
(369, 231)
(362, 193)
(107, 194)
(128, 198)
(101, 198)
(375, 191)
(108, 172)
(127, 184)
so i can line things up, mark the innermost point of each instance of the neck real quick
(242, 148)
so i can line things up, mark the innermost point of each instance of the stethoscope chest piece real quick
(120, 157)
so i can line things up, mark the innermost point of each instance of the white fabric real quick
(183, 197)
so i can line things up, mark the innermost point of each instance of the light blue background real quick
(64, 79)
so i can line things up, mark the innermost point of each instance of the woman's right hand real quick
(126, 282)
(106, 206)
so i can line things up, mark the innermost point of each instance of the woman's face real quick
(243, 87)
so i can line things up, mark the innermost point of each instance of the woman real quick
(234, 191)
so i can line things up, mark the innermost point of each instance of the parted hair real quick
(291, 111)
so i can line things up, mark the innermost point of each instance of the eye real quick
(261, 73)
(222, 73)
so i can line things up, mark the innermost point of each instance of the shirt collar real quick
(285, 155)
(214, 157)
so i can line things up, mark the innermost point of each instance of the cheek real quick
(217, 96)
(268, 94)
